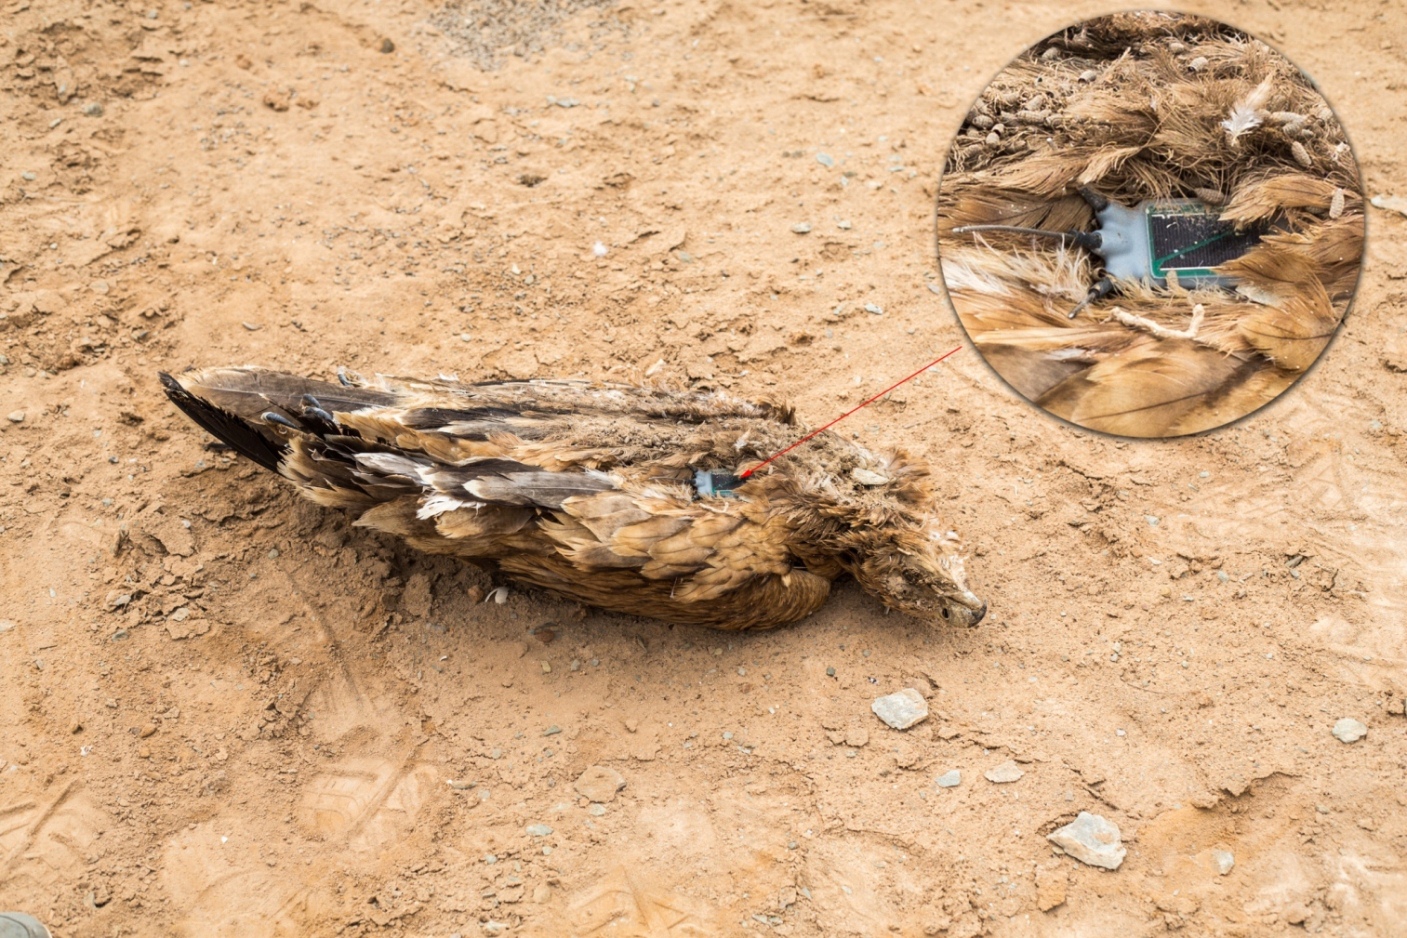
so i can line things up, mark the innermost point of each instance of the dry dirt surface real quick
(224, 712)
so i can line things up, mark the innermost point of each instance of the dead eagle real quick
(601, 491)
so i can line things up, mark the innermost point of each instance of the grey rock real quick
(825, 160)
(801, 228)
(20, 925)
(1091, 839)
(901, 710)
(538, 830)
(1224, 861)
(599, 783)
(1003, 774)
(950, 779)
(1349, 730)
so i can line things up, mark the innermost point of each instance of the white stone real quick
(1349, 730)
(1091, 839)
(1008, 771)
(868, 477)
(901, 710)
(950, 779)
(1224, 861)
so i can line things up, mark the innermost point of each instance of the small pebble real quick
(599, 783)
(825, 160)
(1395, 203)
(93, 109)
(950, 779)
(1349, 730)
(16, 416)
(538, 830)
(1002, 774)
(1091, 839)
(901, 710)
(874, 308)
(801, 228)
(1224, 861)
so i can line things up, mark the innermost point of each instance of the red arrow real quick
(849, 412)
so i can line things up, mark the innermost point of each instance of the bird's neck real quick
(821, 542)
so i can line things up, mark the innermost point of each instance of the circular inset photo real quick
(1150, 224)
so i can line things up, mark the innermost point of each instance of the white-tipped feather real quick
(440, 503)
(1249, 112)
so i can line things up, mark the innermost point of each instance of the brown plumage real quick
(1150, 105)
(588, 490)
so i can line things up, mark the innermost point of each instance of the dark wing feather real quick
(243, 437)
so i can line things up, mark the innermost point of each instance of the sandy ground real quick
(223, 712)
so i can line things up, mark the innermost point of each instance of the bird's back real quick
(586, 489)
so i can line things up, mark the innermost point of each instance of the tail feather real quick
(242, 436)
(251, 392)
(308, 432)
(231, 403)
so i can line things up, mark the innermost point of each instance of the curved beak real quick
(966, 610)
